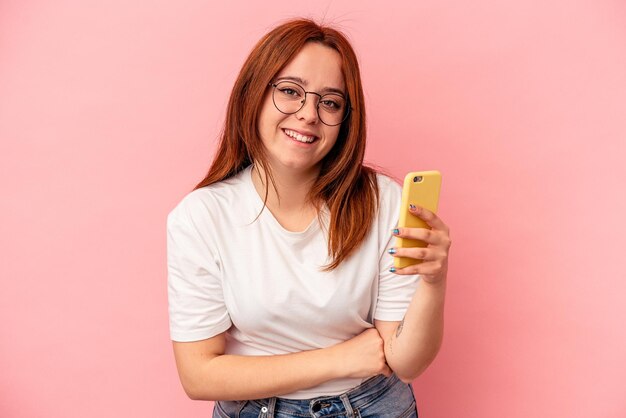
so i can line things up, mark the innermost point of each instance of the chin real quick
(303, 166)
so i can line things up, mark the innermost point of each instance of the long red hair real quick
(347, 187)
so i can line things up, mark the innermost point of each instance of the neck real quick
(291, 186)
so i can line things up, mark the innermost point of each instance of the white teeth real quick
(298, 137)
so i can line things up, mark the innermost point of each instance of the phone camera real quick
(417, 179)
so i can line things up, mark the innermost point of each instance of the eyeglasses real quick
(289, 98)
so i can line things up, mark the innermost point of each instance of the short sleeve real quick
(196, 302)
(394, 291)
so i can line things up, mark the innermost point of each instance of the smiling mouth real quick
(299, 137)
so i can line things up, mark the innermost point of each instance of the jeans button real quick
(264, 409)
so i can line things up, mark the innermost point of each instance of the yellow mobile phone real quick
(421, 188)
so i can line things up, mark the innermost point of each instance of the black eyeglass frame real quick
(317, 107)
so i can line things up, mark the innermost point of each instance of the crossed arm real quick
(412, 344)
(406, 347)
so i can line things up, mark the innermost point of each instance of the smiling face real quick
(300, 141)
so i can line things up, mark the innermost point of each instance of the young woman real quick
(283, 300)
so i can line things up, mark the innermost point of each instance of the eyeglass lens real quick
(290, 97)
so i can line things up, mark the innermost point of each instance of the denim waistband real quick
(356, 398)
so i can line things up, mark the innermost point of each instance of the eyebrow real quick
(304, 82)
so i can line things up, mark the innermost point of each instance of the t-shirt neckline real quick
(268, 216)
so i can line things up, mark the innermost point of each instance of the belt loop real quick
(270, 406)
(346, 404)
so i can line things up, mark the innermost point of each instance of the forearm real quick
(234, 377)
(416, 341)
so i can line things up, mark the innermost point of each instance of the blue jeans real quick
(379, 396)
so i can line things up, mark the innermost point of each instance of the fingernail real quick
(393, 269)
(396, 231)
(412, 207)
(392, 251)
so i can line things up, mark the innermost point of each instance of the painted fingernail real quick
(393, 269)
(412, 207)
(396, 231)
(392, 251)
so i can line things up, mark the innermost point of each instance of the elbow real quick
(197, 395)
(196, 373)
(195, 391)
(406, 380)
(410, 372)
(193, 395)
(199, 383)
(191, 392)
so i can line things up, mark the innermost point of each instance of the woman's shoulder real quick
(212, 199)
(388, 186)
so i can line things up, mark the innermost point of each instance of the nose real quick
(308, 111)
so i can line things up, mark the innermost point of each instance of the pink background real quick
(109, 114)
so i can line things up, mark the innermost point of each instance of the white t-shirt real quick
(263, 285)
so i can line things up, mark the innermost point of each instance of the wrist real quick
(335, 362)
(433, 290)
(436, 281)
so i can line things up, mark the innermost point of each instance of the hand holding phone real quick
(421, 188)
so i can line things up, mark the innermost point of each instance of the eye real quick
(288, 91)
(329, 104)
